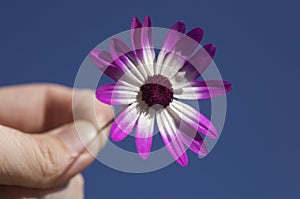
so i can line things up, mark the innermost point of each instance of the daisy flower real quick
(150, 88)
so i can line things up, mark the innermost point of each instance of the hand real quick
(41, 154)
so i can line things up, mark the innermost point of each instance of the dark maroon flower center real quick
(156, 94)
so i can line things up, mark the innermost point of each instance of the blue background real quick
(257, 155)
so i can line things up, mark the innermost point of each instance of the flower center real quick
(153, 93)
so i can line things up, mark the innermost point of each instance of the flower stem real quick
(110, 121)
(106, 125)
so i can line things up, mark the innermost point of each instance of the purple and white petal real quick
(173, 36)
(201, 89)
(135, 33)
(188, 44)
(116, 94)
(194, 142)
(182, 50)
(172, 63)
(168, 132)
(147, 46)
(144, 133)
(196, 65)
(147, 42)
(104, 61)
(125, 58)
(136, 41)
(124, 123)
(195, 119)
(189, 135)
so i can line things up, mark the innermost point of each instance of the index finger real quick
(35, 108)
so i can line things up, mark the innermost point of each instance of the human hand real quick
(41, 154)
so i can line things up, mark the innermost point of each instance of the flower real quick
(150, 88)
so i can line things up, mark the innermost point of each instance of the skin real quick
(40, 155)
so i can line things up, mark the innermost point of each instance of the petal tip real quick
(210, 49)
(95, 52)
(143, 146)
(136, 23)
(227, 85)
(179, 26)
(196, 34)
(212, 132)
(203, 150)
(117, 134)
(147, 22)
(115, 137)
(183, 161)
(214, 135)
(144, 156)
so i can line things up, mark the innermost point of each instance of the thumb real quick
(46, 160)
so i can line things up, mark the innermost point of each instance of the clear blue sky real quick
(257, 43)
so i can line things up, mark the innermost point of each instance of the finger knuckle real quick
(48, 160)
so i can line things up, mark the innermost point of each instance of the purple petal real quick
(144, 133)
(186, 45)
(179, 26)
(144, 55)
(206, 127)
(119, 50)
(195, 119)
(104, 61)
(195, 143)
(124, 123)
(122, 54)
(143, 146)
(147, 42)
(200, 89)
(210, 49)
(147, 33)
(169, 135)
(173, 36)
(126, 59)
(176, 32)
(116, 94)
(199, 62)
(189, 135)
(171, 65)
(177, 55)
(135, 23)
(196, 34)
(136, 33)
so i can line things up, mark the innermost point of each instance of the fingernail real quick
(78, 136)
